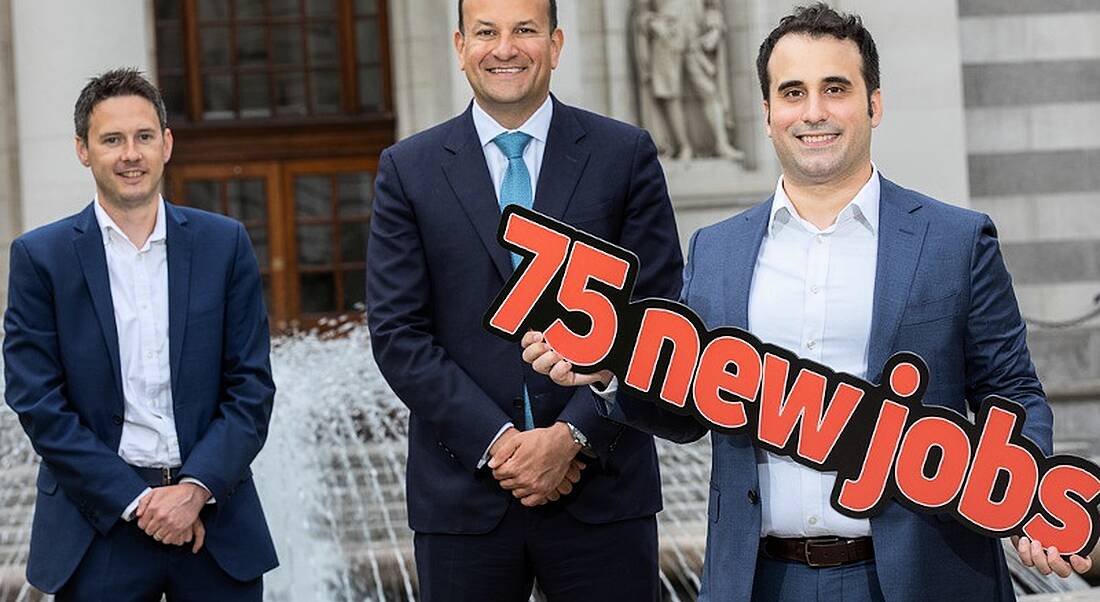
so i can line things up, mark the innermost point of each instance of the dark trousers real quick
(572, 561)
(779, 580)
(127, 565)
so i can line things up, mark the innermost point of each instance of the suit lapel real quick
(93, 262)
(468, 175)
(179, 285)
(563, 161)
(901, 236)
(741, 259)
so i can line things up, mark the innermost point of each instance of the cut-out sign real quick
(883, 443)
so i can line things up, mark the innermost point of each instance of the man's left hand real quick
(535, 462)
(1049, 560)
(168, 513)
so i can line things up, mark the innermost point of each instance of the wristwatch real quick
(578, 436)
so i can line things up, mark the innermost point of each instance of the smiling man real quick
(844, 267)
(142, 383)
(512, 478)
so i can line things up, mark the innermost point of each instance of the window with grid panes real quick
(280, 109)
(225, 60)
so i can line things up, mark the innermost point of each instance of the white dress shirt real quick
(812, 293)
(139, 292)
(537, 127)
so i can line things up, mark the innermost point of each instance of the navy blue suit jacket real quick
(941, 291)
(434, 265)
(61, 362)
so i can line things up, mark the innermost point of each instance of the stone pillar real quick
(55, 52)
(10, 214)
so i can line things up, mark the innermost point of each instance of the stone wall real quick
(1031, 76)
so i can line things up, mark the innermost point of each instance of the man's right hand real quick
(565, 487)
(545, 360)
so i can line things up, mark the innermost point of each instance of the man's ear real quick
(874, 106)
(82, 151)
(460, 44)
(557, 40)
(168, 144)
(767, 119)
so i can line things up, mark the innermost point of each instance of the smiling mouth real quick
(131, 174)
(817, 139)
(505, 70)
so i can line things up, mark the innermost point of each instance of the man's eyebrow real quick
(792, 83)
(837, 79)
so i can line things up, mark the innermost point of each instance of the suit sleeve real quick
(647, 416)
(91, 474)
(221, 457)
(997, 358)
(648, 230)
(399, 314)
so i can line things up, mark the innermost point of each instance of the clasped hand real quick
(537, 466)
(170, 514)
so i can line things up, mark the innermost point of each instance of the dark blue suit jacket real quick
(941, 291)
(61, 362)
(434, 265)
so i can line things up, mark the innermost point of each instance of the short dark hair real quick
(819, 20)
(126, 81)
(553, 17)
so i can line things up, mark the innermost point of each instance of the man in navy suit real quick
(136, 356)
(846, 268)
(511, 478)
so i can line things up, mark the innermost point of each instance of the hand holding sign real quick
(884, 444)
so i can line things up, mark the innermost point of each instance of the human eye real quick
(146, 137)
(525, 30)
(111, 140)
(835, 90)
(484, 33)
(792, 93)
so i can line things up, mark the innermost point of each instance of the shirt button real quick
(815, 289)
(812, 520)
(811, 344)
(820, 239)
(149, 355)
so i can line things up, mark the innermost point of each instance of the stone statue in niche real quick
(679, 48)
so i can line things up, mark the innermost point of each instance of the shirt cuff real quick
(210, 500)
(485, 456)
(128, 513)
(607, 394)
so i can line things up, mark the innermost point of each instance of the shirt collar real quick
(107, 225)
(863, 207)
(537, 125)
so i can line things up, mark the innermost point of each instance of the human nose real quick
(505, 48)
(130, 151)
(815, 109)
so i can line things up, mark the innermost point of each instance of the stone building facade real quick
(992, 104)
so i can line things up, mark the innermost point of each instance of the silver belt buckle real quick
(166, 476)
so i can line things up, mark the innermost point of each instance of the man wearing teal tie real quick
(512, 479)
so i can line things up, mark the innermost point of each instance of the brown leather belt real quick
(819, 551)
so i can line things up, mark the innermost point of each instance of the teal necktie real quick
(516, 190)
